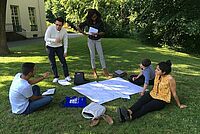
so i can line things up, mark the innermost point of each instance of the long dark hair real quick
(165, 66)
(90, 13)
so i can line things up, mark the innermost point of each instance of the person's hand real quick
(134, 78)
(58, 40)
(65, 54)
(94, 34)
(182, 106)
(46, 74)
(85, 34)
(142, 93)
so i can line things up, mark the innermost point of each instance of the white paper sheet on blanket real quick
(108, 90)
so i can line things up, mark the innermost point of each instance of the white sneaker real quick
(55, 80)
(68, 78)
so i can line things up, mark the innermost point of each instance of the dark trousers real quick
(146, 104)
(59, 51)
(139, 81)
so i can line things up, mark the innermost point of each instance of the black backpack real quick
(79, 78)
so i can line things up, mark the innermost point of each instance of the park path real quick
(35, 40)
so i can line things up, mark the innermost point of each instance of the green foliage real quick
(172, 22)
(175, 23)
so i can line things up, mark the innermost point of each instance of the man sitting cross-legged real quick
(25, 98)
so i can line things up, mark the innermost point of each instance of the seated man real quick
(146, 76)
(25, 98)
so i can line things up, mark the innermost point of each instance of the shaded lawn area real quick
(124, 54)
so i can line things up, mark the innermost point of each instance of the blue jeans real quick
(36, 104)
(59, 51)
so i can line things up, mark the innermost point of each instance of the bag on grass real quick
(119, 73)
(79, 78)
(74, 101)
(93, 111)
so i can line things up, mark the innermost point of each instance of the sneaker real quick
(68, 78)
(55, 80)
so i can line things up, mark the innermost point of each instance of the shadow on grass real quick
(124, 54)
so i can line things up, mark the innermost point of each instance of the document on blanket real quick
(108, 90)
(98, 93)
(92, 30)
(49, 92)
(121, 85)
(64, 82)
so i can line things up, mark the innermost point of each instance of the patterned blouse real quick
(161, 89)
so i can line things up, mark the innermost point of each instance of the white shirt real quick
(52, 33)
(20, 91)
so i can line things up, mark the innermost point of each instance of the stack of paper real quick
(64, 82)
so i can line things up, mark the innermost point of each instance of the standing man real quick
(57, 42)
(25, 98)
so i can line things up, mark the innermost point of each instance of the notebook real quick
(49, 91)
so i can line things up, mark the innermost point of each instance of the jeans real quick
(36, 104)
(59, 51)
(146, 104)
(92, 45)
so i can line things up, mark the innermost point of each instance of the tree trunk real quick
(3, 42)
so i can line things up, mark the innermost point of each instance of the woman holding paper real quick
(96, 31)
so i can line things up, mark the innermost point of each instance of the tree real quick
(3, 43)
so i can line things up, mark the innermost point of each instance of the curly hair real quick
(90, 13)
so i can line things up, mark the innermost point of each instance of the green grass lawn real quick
(124, 54)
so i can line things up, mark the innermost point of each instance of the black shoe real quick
(123, 114)
(121, 117)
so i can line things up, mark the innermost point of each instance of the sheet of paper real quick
(64, 82)
(98, 92)
(121, 85)
(49, 91)
(92, 30)
(108, 90)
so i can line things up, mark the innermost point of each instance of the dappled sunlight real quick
(111, 108)
(36, 59)
(166, 51)
(142, 48)
(185, 69)
(131, 51)
(114, 57)
(6, 78)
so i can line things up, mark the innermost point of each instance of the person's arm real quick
(34, 81)
(140, 74)
(33, 97)
(144, 89)
(47, 36)
(98, 34)
(65, 41)
(101, 30)
(173, 91)
(81, 27)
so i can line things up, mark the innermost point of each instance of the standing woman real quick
(93, 21)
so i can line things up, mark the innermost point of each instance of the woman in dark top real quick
(96, 31)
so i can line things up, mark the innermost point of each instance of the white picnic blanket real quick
(108, 90)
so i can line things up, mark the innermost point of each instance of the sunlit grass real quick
(124, 54)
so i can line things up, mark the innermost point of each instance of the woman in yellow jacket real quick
(157, 99)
